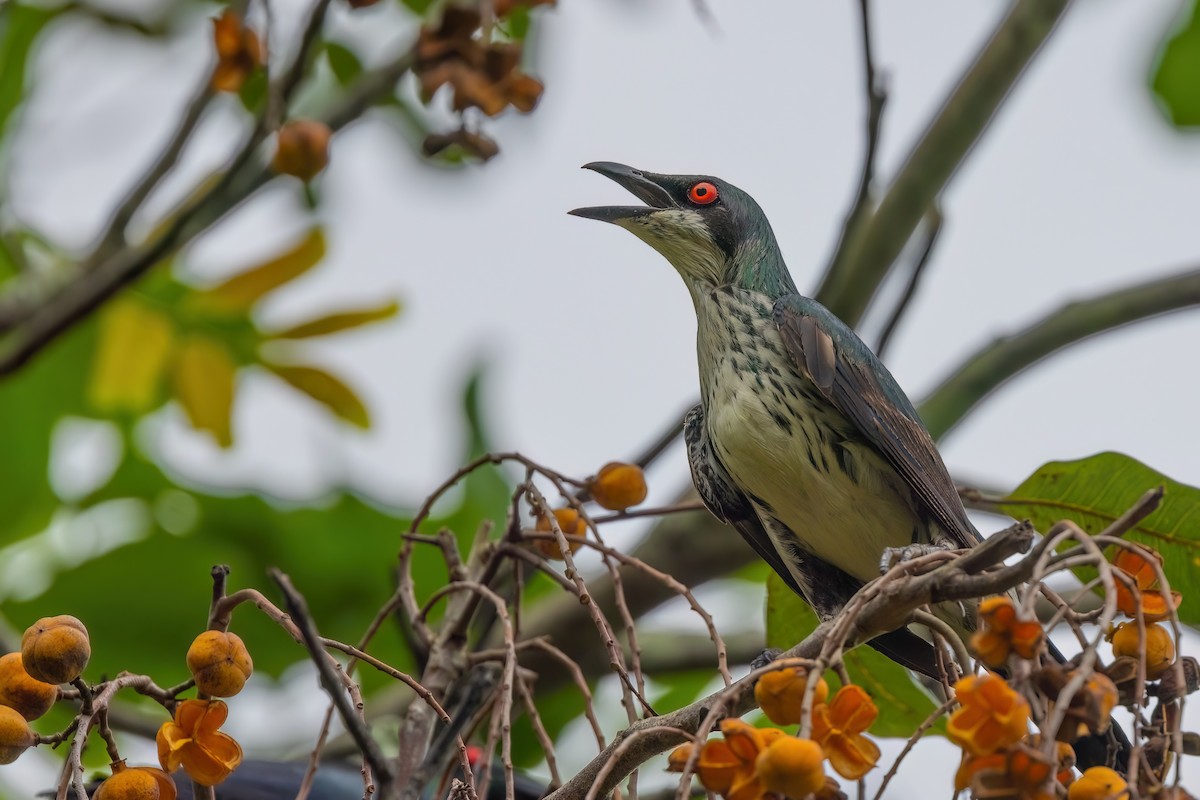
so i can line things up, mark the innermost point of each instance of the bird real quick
(802, 440)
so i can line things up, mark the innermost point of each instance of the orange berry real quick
(618, 486)
(569, 522)
(990, 717)
(718, 766)
(791, 767)
(136, 783)
(18, 690)
(780, 694)
(220, 663)
(302, 149)
(15, 735)
(1160, 647)
(193, 740)
(1099, 783)
(679, 757)
(55, 649)
(239, 52)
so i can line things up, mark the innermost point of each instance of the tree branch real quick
(860, 208)
(933, 231)
(74, 301)
(848, 289)
(990, 367)
(671, 546)
(882, 605)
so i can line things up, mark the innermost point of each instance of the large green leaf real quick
(1176, 79)
(903, 705)
(1094, 491)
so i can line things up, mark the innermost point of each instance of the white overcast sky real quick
(588, 335)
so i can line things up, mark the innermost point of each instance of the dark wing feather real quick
(860, 387)
(728, 504)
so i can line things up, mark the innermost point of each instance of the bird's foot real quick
(898, 555)
(765, 657)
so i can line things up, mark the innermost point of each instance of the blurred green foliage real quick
(131, 557)
(1176, 79)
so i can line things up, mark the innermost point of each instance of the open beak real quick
(642, 185)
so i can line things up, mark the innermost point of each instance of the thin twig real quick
(383, 774)
(935, 157)
(933, 228)
(876, 94)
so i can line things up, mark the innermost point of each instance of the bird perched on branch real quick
(802, 440)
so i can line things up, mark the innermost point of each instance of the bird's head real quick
(712, 232)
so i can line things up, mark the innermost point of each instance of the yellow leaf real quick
(326, 390)
(332, 323)
(245, 289)
(204, 383)
(134, 344)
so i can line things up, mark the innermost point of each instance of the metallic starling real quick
(802, 440)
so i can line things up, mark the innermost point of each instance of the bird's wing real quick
(723, 499)
(854, 380)
(826, 588)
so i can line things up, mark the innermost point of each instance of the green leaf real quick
(19, 28)
(418, 7)
(1094, 491)
(243, 290)
(326, 390)
(518, 23)
(1176, 79)
(204, 385)
(333, 323)
(253, 93)
(343, 62)
(903, 705)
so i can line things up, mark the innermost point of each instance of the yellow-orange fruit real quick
(56, 649)
(301, 149)
(18, 690)
(679, 757)
(780, 694)
(220, 663)
(15, 735)
(618, 486)
(1160, 647)
(1099, 783)
(136, 783)
(569, 522)
(791, 767)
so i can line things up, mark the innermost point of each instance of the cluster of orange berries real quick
(750, 762)
(1001, 760)
(220, 665)
(54, 650)
(992, 720)
(192, 739)
(617, 487)
(302, 145)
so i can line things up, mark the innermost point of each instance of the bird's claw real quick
(765, 657)
(898, 555)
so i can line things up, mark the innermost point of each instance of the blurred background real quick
(192, 419)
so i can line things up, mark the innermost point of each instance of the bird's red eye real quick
(702, 193)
